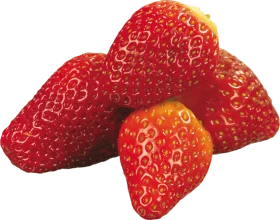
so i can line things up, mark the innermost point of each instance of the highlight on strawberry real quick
(68, 123)
(163, 49)
(233, 106)
(165, 154)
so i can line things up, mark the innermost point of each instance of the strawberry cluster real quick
(164, 98)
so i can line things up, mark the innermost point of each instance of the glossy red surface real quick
(233, 106)
(162, 50)
(68, 123)
(165, 154)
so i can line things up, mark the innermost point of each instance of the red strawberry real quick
(164, 48)
(68, 123)
(165, 154)
(233, 106)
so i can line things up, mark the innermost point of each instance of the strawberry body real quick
(163, 49)
(165, 153)
(67, 124)
(233, 106)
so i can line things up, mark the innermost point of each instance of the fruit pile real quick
(165, 98)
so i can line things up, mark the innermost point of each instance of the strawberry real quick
(165, 153)
(163, 49)
(233, 106)
(68, 123)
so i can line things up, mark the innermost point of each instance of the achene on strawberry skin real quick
(233, 106)
(163, 49)
(165, 154)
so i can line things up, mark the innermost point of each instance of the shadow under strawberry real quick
(108, 147)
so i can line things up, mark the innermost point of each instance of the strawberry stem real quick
(208, 16)
(171, 99)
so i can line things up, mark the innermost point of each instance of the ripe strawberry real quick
(68, 123)
(164, 48)
(233, 106)
(165, 153)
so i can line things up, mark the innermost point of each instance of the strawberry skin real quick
(68, 123)
(165, 153)
(233, 106)
(163, 49)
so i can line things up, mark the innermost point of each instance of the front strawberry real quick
(164, 48)
(68, 123)
(165, 154)
(233, 106)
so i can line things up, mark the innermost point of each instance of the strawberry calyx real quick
(205, 18)
(199, 13)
